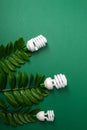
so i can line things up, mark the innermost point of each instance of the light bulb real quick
(48, 116)
(59, 81)
(36, 43)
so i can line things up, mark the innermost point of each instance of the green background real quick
(64, 24)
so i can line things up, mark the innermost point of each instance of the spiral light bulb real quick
(48, 116)
(36, 43)
(59, 81)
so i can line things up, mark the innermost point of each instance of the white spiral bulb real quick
(42, 116)
(36, 43)
(50, 115)
(59, 81)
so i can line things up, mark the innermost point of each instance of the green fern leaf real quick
(30, 118)
(19, 79)
(19, 44)
(2, 51)
(31, 97)
(11, 119)
(10, 65)
(18, 98)
(24, 81)
(4, 117)
(44, 91)
(31, 80)
(25, 98)
(23, 55)
(9, 48)
(27, 118)
(11, 99)
(39, 79)
(18, 60)
(3, 81)
(20, 116)
(12, 80)
(36, 95)
(4, 67)
(34, 112)
(13, 61)
(17, 120)
(2, 103)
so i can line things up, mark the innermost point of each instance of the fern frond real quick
(19, 81)
(13, 56)
(10, 48)
(26, 97)
(19, 94)
(18, 118)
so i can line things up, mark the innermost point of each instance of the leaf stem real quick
(15, 89)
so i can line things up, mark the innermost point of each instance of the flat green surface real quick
(64, 23)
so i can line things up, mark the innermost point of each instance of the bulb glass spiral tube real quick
(36, 43)
(59, 81)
